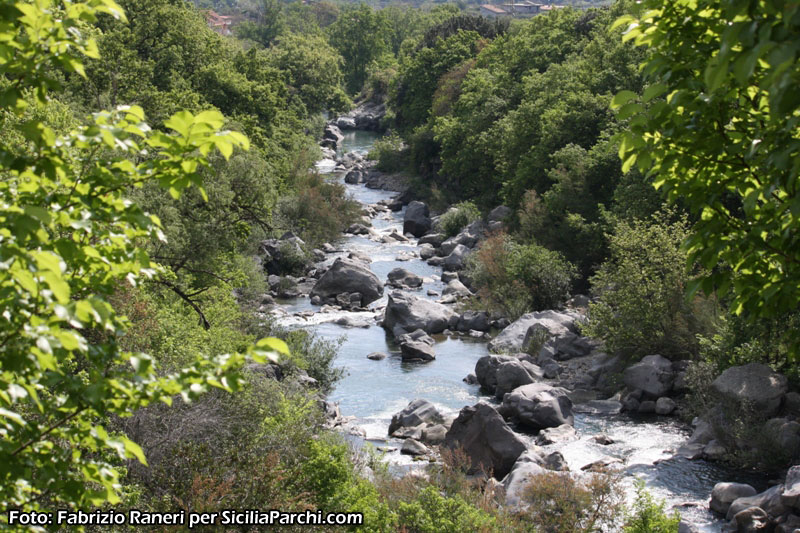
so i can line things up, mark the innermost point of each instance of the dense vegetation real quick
(132, 132)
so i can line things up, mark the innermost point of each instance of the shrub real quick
(641, 306)
(648, 515)
(390, 152)
(515, 278)
(557, 502)
(430, 512)
(458, 216)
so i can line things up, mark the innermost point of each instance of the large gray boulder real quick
(474, 320)
(457, 289)
(554, 323)
(486, 370)
(653, 375)
(417, 351)
(455, 261)
(513, 374)
(724, 494)
(769, 500)
(538, 406)
(417, 412)
(528, 466)
(499, 214)
(408, 312)
(561, 347)
(347, 276)
(752, 385)
(491, 446)
(416, 220)
(404, 279)
(557, 435)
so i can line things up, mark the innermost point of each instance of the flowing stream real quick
(372, 391)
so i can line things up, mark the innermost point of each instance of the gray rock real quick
(408, 312)
(413, 447)
(753, 520)
(434, 239)
(434, 435)
(538, 406)
(416, 220)
(417, 351)
(652, 375)
(357, 229)
(599, 407)
(724, 494)
(791, 491)
(512, 339)
(455, 261)
(457, 289)
(563, 347)
(447, 277)
(714, 451)
(426, 251)
(686, 527)
(486, 370)
(555, 461)
(524, 471)
(471, 379)
(377, 356)
(353, 177)
(402, 278)
(414, 414)
(647, 407)
(603, 439)
(665, 406)
(509, 375)
(346, 123)
(486, 439)
(557, 435)
(347, 276)
(752, 385)
(769, 500)
(499, 214)
(477, 320)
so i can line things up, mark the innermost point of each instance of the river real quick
(372, 391)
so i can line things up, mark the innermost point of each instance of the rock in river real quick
(653, 375)
(403, 279)
(487, 440)
(347, 276)
(512, 338)
(538, 406)
(416, 220)
(755, 385)
(407, 312)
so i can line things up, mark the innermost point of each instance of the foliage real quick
(557, 502)
(458, 217)
(430, 512)
(516, 278)
(390, 152)
(266, 24)
(359, 34)
(69, 238)
(717, 129)
(649, 516)
(641, 306)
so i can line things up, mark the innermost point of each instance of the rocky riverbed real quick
(518, 396)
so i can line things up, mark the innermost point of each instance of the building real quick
(526, 8)
(219, 23)
(491, 11)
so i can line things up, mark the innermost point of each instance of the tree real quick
(266, 25)
(718, 129)
(360, 35)
(69, 239)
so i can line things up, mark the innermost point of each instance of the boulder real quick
(791, 491)
(417, 412)
(724, 494)
(434, 239)
(524, 471)
(602, 439)
(753, 520)
(474, 320)
(377, 356)
(447, 277)
(413, 447)
(416, 220)
(538, 406)
(653, 375)
(346, 123)
(753, 385)
(455, 261)
(457, 289)
(348, 276)
(435, 434)
(769, 500)
(557, 435)
(499, 214)
(512, 339)
(555, 461)
(562, 347)
(599, 407)
(353, 177)
(417, 351)
(512, 374)
(402, 278)
(408, 312)
(665, 406)
(426, 251)
(486, 370)
(491, 446)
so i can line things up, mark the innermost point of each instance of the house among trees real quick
(521, 9)
(219, 23)
(492, 11)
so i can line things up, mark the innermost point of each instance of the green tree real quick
(718, 129)
(360, 34)
(69, 239)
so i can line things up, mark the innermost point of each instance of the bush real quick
(390, 152)
(514, 278)
(430, 512)
(557, 502)
(648, 515)
(458, 216)
(641, 306)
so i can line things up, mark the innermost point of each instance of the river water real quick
(372, 391)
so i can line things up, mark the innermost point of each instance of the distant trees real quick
(360, 34)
